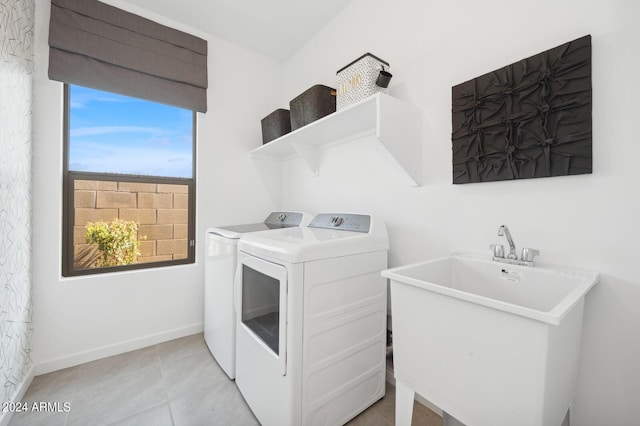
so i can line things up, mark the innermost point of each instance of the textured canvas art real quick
(529, 119)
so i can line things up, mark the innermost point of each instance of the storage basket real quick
(312, 104)
(276, 124)
(357, 80)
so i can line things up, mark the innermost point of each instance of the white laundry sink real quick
(489, 343)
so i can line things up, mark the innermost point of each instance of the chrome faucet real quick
(504, 231)
(526, 259)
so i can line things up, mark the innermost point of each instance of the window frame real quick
(68, 210)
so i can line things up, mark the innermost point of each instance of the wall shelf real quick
(396, 124)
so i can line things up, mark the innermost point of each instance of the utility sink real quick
(489, 343)
(543, 293)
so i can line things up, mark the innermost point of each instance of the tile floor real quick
(173, 383)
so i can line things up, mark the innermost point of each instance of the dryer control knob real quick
(282, 217)
(338, 221)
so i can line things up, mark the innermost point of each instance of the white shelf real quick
(395, 124)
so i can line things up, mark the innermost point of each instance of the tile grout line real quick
(120, 376)
(164, 385)
(76, 380)
(80, 381)
(157, 355)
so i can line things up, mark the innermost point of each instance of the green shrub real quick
(117, 241)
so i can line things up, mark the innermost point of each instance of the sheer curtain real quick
(16, 69)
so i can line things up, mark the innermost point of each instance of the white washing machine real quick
(311, 320)
(220, 268)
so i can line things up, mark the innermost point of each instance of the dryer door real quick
(263, 307)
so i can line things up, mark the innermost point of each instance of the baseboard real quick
(115, 349)
(5, 417)
(392, 380)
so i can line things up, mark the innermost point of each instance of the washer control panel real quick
(284, 219)
(342, 221)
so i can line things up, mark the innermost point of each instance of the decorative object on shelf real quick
(276, 124)
(312, 104)
(362, 78)
(384, 78)
(529, 119)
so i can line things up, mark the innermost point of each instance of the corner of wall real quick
(6, 416)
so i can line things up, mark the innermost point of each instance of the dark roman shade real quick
(100, 46)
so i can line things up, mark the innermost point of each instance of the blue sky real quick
(118, 134)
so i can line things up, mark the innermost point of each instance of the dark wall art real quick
(529, 119)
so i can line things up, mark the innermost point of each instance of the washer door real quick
(263, 307)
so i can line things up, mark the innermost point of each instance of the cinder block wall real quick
(160, 210)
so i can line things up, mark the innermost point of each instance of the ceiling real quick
(275, 28)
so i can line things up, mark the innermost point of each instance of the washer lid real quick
(294, 245)
(236, 231)
(275, 220)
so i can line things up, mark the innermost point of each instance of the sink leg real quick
(404, 404)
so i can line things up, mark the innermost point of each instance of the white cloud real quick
(108, 130)
(131, 160)
(80, 100)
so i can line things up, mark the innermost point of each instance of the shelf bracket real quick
(401, 134)
(309, 154)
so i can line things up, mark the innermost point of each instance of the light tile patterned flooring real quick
(173, 383)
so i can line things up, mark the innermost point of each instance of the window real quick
(129, 171)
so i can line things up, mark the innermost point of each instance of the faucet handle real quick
(528, 254)
(497, 249)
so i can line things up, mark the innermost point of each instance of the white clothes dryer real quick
(311, 320)
(220, 268)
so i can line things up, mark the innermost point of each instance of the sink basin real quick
(543, 293)
(487, 342)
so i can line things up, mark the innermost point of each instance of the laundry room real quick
(379, 176)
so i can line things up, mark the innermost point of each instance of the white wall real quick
(81, 319)
(588, 221)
